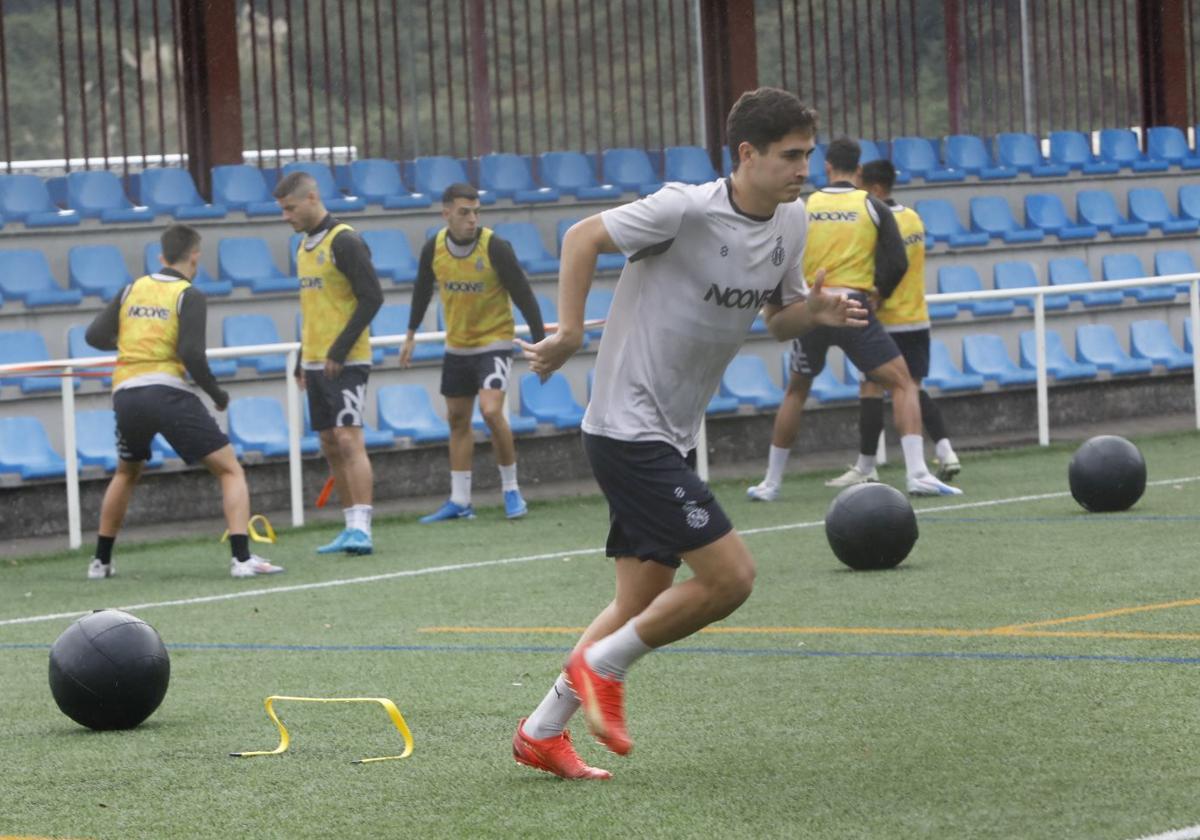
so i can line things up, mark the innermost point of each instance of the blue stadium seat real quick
(26, 451)
(969, 153)
(98, 194)
(1151, 339)
(249, 329)
(1018, 274)
(573, 173)
(518, 423)
(97, 270)
(871, 150)
(258, 424)
(1175, 262)
(243, 187)
(688, 164)
(331, 197)
(1022, 152)
(631, 170)
(527, 243)
(24, 198)
(596, 307)
(1120, 146)
(721, 405)
(78, 348)
(986, 355)
(1065, 271)
(96, 439)
(373, 438)
(391, 254)
(964, 278)
(25, 276)
(246, 261)
(171, 191)
(918, 156)
(203, 281)
(1097, 344)
(378, 181)
(508, 176)
(1059, 364)
(826, 386)
(1168, 143)
(431, 175)
(430, 349)
(1097, 207)
(1189, 201)
(1149, 205)
(942, 311)
(604, 262)
(550, 401)
(746, 380)
(1045, 211)
(1129, 267)
(991, 215)
(943, 374)
(942, 224)
(391, 319)
(26, 346)
(1073, 149)
(816, 167)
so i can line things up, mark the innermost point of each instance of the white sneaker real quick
(254, 566)
(852, 476)
(949, 468)
(927, 485)
(100, 571)
(763, 492)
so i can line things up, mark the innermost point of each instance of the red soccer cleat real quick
(603, 701)
(554, 755)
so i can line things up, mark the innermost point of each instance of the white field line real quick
(1190, 833)
(506, 561)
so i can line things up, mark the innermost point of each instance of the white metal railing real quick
(1038, 293)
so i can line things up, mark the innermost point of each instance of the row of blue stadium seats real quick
(1096, 211)
(242, 261)
(258, 424)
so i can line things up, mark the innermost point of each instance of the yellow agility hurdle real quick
(285, 739)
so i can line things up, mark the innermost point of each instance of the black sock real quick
(870, 424)
(104, 547)
(240, 543)
(932, 415)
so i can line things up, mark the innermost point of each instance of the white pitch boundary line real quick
(1190, 833)
(528, 558)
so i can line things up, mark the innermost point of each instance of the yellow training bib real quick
(477, 308)
(148, 337)
(841, 239)
(906, 306)
(326, 302)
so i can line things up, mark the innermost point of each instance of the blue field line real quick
(711, 651)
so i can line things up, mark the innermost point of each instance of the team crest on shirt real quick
(697, 517)
(778, 254)
(320, 258)
(479, 264)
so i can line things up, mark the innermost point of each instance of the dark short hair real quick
(295, 183)
(764, 116)
(178, 241)
(843, 154)
(880, 173)
(459, 190)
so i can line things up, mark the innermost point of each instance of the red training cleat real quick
(554, 755)
(603, 701)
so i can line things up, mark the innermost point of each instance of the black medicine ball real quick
(109, 670)
(1107, 473)
(871, 526)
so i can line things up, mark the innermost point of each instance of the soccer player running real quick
(905, 316)
(339, 295)
(157, 325)
(854, 237)
(702, 261)
(478, 280)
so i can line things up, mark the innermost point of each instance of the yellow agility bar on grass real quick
(285, 739)
(268, 535)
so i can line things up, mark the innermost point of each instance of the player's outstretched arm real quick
(819, 309)
(585, 241)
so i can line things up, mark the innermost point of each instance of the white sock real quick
(865, 463)
(944, 450)
(776, 464)
(460, 487)
(350, 515)
(550, 718)
(611, 656)
(914, 455)
(508, 476)
(362, 518)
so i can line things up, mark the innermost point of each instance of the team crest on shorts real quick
(697, 517)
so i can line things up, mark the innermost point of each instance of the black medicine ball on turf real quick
(871, 526)
(109, 670)
(1107, 473)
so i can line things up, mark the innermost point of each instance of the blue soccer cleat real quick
(338, 544)
(514, 505)
(450, 510)
(357, 542)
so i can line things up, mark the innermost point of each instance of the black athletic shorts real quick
(466, 374)
(658, 508)
(867, 347)
(337, 402)
(914, 347)
(178, 414)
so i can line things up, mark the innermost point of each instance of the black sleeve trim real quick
(422, 292)
(103, 331)
(193, 315)
(891, 260)
(504, 261)
(353, 258)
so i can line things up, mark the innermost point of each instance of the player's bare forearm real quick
(817, 310)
